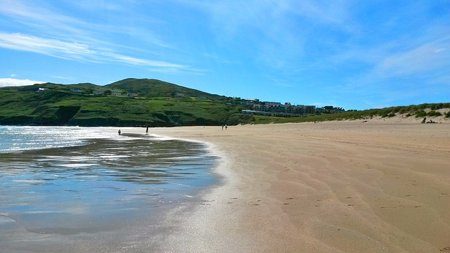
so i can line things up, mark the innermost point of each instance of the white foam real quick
(29, 181)
(78, 165)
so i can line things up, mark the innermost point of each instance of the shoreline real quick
(180, 216)
(387, 196)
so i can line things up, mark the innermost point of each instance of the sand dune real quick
(326, 187)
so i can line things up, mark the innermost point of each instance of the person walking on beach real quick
(119, 132)
(226, 127)
(146, 130)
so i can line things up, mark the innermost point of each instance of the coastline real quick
(332, 186)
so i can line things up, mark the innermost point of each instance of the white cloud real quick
(326, 12)
(76, 51)
(247, 12)
(53, 33)
(427, 57)
(280, 32)
(49, 21)
(144, 62)
(9, 82)
(49, 47)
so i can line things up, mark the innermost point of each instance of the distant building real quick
(76, 90)
(41, 89)
(98, 92)
(117, 92)
(272, 104)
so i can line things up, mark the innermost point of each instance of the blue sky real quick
(355, 54)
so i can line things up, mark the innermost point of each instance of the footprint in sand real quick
(446, 249)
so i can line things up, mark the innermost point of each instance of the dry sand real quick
(325, 187)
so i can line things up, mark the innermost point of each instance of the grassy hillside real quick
(157, 88)
(152, 102)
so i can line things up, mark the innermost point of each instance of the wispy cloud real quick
(415, 57)
(71, 38)
(75, 51)
(143, 62)
(426, 57)
(246, 12)
(410, 68)
(51, 47)
(278, 33)
(9, 82)
(336, 13)
(48, 21)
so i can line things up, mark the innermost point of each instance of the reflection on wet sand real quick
(137, 160)
(106, 186)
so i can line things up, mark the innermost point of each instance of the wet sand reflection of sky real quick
(100, 186)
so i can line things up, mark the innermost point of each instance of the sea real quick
(78, 189)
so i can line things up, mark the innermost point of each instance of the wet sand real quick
(108, 195)
(325, 187)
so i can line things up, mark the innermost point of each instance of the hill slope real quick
(129, 102)
(158, 88)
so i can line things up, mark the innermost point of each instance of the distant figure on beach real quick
(146, 130)
(222, 127)
(226, 127)
(119, 132)
(424, 120)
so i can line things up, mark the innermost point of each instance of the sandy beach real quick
(326, 187)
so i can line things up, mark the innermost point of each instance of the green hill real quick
(157, 88)
(129, 102)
